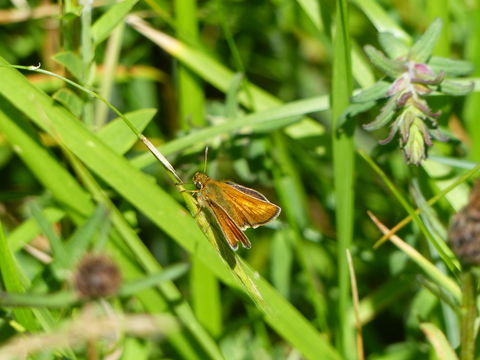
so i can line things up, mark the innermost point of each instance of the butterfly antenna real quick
(206, 157)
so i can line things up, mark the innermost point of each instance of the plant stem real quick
(468, 315)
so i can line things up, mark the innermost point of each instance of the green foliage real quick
(279, 99)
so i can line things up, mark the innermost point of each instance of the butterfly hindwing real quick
(229, 228)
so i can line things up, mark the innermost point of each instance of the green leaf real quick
(168, 274)
(372, 93)
(450, 67)
(29, 229)
(276, 117)
(118, 135)
(231, 102)
(392, 68)
(78, 243)
(456, 88)
(439, 342)
(71, 61)
(381, 18)
(353, 110)
(58, 248)
(102, 28)
(423, 47)
(70, 100)
(393, 46)
(11, 277)
(383, 118)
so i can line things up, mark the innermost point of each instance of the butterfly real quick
(234, 207)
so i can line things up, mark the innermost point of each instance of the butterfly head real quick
(200, 179)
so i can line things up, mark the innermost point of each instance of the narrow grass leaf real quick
(78, 243)
(70, 100)
(423, 47)
(29, 229)
(439, 342)
(103, 27)
(71, 61)
(343, 166)
(58, 248)
(118, 135)
(435, 274)
(381, 19)
(271, 118)
(13, 283)
(168, 274)
(205, 294)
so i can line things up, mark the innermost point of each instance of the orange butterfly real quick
(235, 207)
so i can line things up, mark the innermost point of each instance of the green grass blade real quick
(13, 283)
(102, 28)
(117, 134)
(343, 164)
(271, 119)
(191, 101)
(29, 229)
(170, 273)
(79, 242)
(438, 341)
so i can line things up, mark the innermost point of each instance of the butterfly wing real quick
(247, 207)
(229, 228)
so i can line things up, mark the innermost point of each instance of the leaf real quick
(102, 28)
(270, 119)
(423, 47)
(456, 88)
(168, 274)
(450, 67)
(119, 136)
(13, 282)
(71, 61)
(393, 46)
(386, 114)
(58, 248)
(353, 110)
(439, 342)
(372, 93)
(78, 243)
(70, 100)
(231, 102)
(29, 229)
(392, 68)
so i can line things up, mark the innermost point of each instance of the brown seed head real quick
(97, 276)
(464, 233)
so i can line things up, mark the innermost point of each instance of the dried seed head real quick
(97, 276)
(464, 233)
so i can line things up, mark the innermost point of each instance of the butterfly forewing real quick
(247, 207)
(229, 228)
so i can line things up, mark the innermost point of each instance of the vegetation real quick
(104, 253)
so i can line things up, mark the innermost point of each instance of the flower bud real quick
(97, 276)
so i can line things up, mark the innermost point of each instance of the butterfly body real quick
(235, 207)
